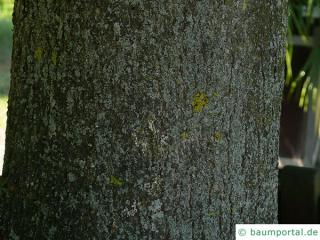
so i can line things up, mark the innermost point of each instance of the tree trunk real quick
(142, 119)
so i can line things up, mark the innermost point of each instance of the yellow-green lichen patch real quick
(54, 58)
(184, 135)
(233, 210)
(212, 214)
(217, 136)
(244, 5)
(215, 94)
(38, 53)
(116, 181)
(114, 227)
(228, 2)
(200, 100)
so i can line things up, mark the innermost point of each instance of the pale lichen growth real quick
(116, 28)
(13, 235)
(157, 214)
(151, 125)
(71, 177)
(132, 211)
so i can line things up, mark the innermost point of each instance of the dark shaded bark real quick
(142, 119)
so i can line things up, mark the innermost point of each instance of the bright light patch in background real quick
(6, 8)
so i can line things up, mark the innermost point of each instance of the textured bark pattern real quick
(139, 119)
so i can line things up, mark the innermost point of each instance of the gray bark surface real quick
(138, 119)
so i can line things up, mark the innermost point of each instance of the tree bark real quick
(138, 119)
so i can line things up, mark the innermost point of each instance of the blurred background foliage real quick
(6, 8)
(5, 45)
(304, 31)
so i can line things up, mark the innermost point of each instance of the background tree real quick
(142, 119)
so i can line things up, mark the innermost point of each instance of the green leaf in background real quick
(304, 85)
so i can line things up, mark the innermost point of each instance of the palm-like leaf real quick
(305, 84)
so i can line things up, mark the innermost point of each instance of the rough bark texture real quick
(139, 119)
